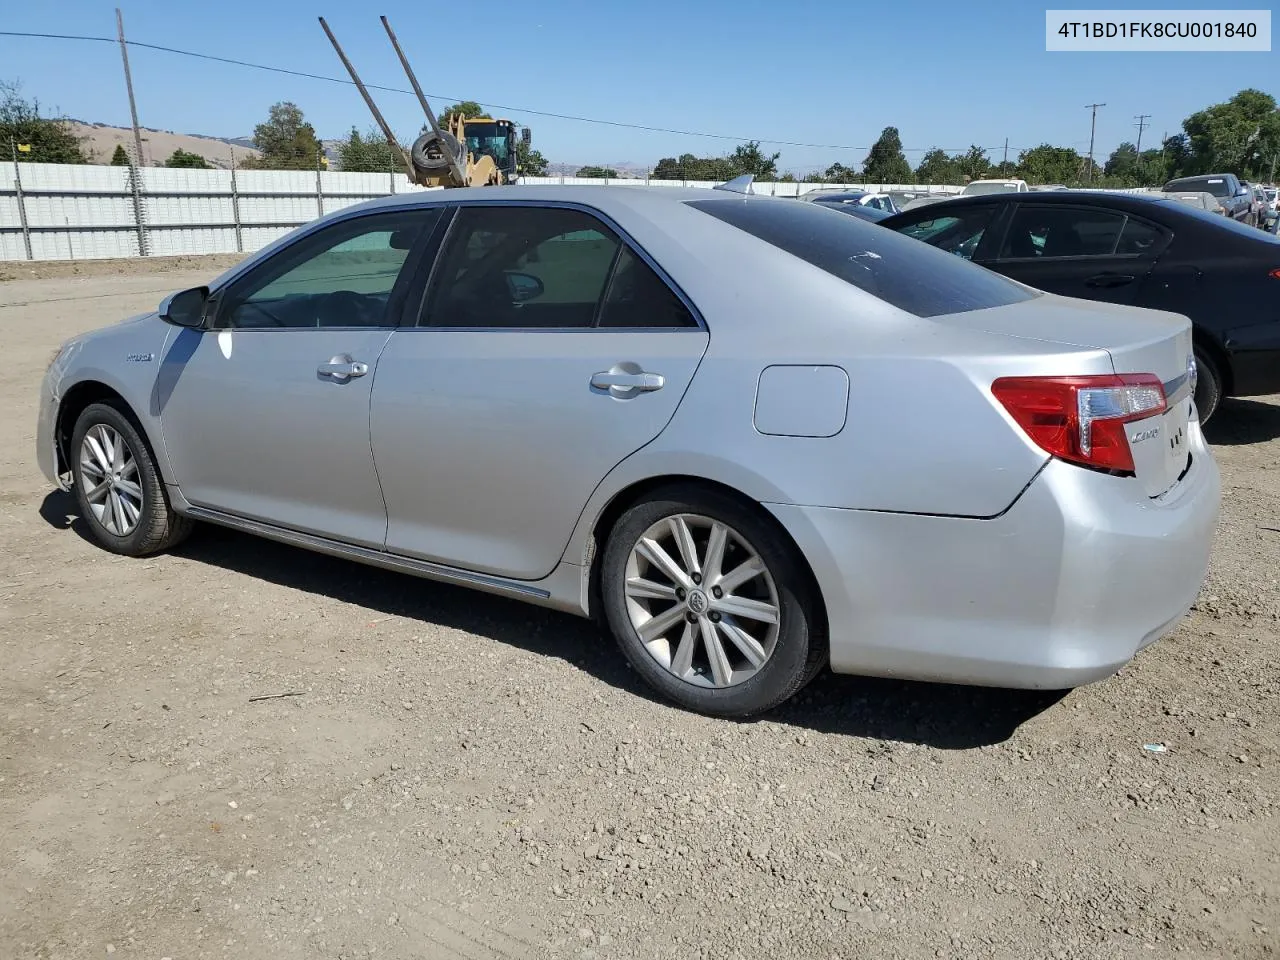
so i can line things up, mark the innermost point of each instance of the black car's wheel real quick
(1208, 387)
(118, 487)
(708, 602)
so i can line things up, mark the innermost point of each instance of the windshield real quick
(980, 189)
(910, 275)
(489, 139)
(1218, 186)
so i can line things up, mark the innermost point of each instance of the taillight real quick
(1082, 419)
(1275, 273)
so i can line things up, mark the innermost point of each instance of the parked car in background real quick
(980, 188)
(1204, 201)
(861, 210)
(885, 458)
(1261, 206)
(925, 199)
(1049, 186)
(877, 201)
(1133, 249)
(1235, 198)
(1272, 212)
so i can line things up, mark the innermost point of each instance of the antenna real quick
(740, 184)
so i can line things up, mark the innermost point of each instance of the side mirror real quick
(185, 308)
(524, 286)
(526, 135)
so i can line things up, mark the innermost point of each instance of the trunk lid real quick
(1138, 341)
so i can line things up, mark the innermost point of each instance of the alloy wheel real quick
(702, 601)
(109, 479)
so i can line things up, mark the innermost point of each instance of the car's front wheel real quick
(119, 489)
(709, 602)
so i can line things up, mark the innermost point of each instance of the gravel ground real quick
(444, 774)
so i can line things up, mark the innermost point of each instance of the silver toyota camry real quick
(753, 437)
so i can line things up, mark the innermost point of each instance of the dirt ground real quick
(456, 776)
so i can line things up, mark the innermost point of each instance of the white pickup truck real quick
(980, 187)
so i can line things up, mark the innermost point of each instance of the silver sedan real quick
(754, 437)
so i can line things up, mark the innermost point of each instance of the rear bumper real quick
(1060, 590)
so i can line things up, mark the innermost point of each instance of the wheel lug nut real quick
(680, 594)
(697, 578)
(717, 592)
(715, 617)
(691, 617)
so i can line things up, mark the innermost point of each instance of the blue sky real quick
(811, 71)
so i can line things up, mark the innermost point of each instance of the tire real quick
(137, 495)
(787, 654)
(446, 146)
(1208, 387)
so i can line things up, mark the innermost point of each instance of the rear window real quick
(1218, 186)
(906, 273)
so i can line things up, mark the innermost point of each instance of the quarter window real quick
(958, 233)
(342, 276)
(544, 267)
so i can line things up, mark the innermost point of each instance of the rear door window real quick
(1048, 232)
(911, 276)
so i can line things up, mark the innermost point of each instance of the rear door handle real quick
(624, 382)
(342, 368)
(1109, 280)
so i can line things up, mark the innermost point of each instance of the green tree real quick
(1049, 164)
(973, 163)
(286, 140)
(938, 167)
(181, 158)
(589, 172)
(749, 158)
(50, 139)
(468, 108)
(529, 162)
(367, 154)
(839, 173)
(1004, 170)
(1123, 163)
(886, 162)
(1239, 136)
(120, 158)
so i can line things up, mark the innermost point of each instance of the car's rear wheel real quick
(1208, 386)
(709, 602)
(118, 486)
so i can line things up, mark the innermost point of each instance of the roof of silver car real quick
(567, 193)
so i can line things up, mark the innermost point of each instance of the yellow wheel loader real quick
(471, 152)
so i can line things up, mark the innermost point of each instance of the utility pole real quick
(1142, 119)
(1006, 152)
(128, 82)
(1093, 126)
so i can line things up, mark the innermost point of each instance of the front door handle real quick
(342, 368)
(626, 383)
(1109, 280)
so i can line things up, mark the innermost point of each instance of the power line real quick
(498, 106)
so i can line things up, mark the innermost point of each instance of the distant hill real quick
(100, 142)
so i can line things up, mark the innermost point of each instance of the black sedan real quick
(1139, 249)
